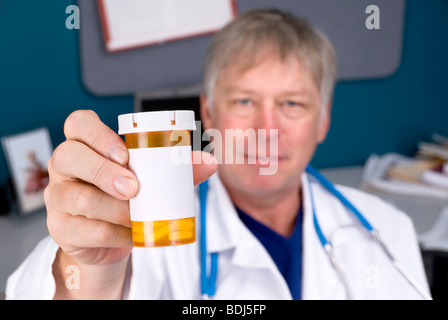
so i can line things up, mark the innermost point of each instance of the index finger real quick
(85, 126)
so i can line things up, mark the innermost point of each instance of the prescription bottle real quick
(159, 144)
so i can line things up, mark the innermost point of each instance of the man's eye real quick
(291, 103)
(244, 102)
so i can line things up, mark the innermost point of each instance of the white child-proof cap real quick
(156, 121)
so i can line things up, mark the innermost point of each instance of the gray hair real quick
(241, 41)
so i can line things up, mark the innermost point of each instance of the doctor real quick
(265, 70)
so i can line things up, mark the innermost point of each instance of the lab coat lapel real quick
(222, 221)
(227, 232)
(319, 279)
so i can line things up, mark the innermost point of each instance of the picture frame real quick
(27, 155)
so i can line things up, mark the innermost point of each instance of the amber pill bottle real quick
(159, 144)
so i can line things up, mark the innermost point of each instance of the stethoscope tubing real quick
(208, 279)
(374, 234)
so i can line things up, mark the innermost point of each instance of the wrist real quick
(75, 280)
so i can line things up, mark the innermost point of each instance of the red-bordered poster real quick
(136, 23)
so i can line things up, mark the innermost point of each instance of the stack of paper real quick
(424, 175)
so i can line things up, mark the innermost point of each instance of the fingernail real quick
(117, 154)
(124, 185)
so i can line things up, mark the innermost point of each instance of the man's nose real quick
(267, 117)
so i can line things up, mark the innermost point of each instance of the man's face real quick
(273, 94)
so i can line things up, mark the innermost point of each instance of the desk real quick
(18, 237)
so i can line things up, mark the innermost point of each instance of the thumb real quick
(204, 165)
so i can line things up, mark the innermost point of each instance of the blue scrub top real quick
(285, 251)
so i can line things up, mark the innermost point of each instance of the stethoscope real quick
(208, 277)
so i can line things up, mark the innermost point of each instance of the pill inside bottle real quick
(159, 144)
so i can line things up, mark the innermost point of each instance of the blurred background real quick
(47, 71)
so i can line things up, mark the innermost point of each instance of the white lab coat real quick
(245, 269)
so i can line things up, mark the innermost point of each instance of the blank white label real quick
(166, 189)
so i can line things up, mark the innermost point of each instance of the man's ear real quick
(325, 124)
(205, 110)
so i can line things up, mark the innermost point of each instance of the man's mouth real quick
(262, 160)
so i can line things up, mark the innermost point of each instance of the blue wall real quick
(40, 84)
(393, 114)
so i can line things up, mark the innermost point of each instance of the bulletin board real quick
(362, 53)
